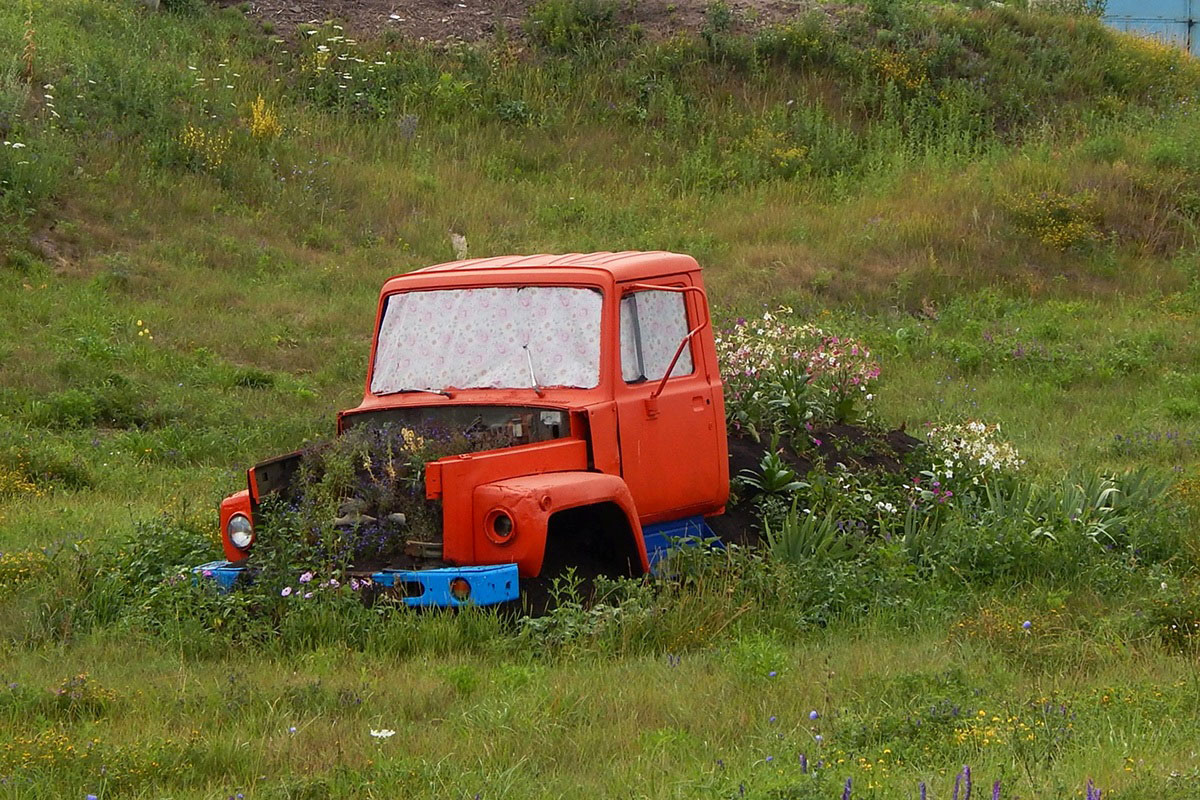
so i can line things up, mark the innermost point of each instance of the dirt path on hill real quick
(472, 20)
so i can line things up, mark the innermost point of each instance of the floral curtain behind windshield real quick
(486, 338)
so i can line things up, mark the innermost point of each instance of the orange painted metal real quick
(674, 454)
(657, 461)
(234, 504)
(531, 501)
(453, 481)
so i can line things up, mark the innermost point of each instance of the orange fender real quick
(531, 500)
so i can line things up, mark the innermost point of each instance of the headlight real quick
(500, 526)
(240, 531)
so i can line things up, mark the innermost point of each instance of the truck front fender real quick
(530, 501)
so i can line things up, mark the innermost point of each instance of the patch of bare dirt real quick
(472, 21)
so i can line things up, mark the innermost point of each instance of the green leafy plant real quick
(568, 26)
(774, 476)
(807, 538)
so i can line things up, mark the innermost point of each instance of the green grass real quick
(1002, 204)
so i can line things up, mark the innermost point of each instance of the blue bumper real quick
(429, 588)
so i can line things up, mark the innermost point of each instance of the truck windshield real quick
(489, 338)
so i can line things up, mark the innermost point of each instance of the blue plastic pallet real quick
(662, 536)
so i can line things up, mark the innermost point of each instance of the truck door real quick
(670, 456)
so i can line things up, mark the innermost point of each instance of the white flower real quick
(17, 145)
(384, 733)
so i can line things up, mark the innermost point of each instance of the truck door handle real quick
(698, 403)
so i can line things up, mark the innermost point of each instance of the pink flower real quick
(306, 577)
(286, 591)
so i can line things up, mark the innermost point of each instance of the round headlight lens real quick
(500, 526)
(240, 531)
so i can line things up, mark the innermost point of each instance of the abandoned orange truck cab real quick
(602, 372)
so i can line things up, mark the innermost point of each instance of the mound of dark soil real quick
(859, 448)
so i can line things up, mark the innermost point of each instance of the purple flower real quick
(921, 789)
(846, 791)
(819, 738)
(307, 595)
(770, 759)
(286, 591)
(90, 797)
(306, 577)
(804, 763)
(334, 583)
(813, 714)
(772, 674)
(292, 729)
(772, 719)
(1027, 624)
(967, 780)
(996, 790)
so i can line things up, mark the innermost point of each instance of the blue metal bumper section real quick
(423, 587)
(662, 536)
(489, 585)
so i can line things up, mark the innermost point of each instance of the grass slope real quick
(1003, 204)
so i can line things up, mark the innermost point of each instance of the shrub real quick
(1058, 220)
(571, 26)
(808, 538)
(203, 150)
(779, 376)
(264, 121)
(967, 454)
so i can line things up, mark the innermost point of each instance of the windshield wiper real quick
(442, 392)
(537, 387)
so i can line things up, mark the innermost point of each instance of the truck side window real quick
(652, 325)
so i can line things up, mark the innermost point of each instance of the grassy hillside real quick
(196, 215)
(988, 164)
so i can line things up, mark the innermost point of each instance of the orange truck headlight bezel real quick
(500, 526)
